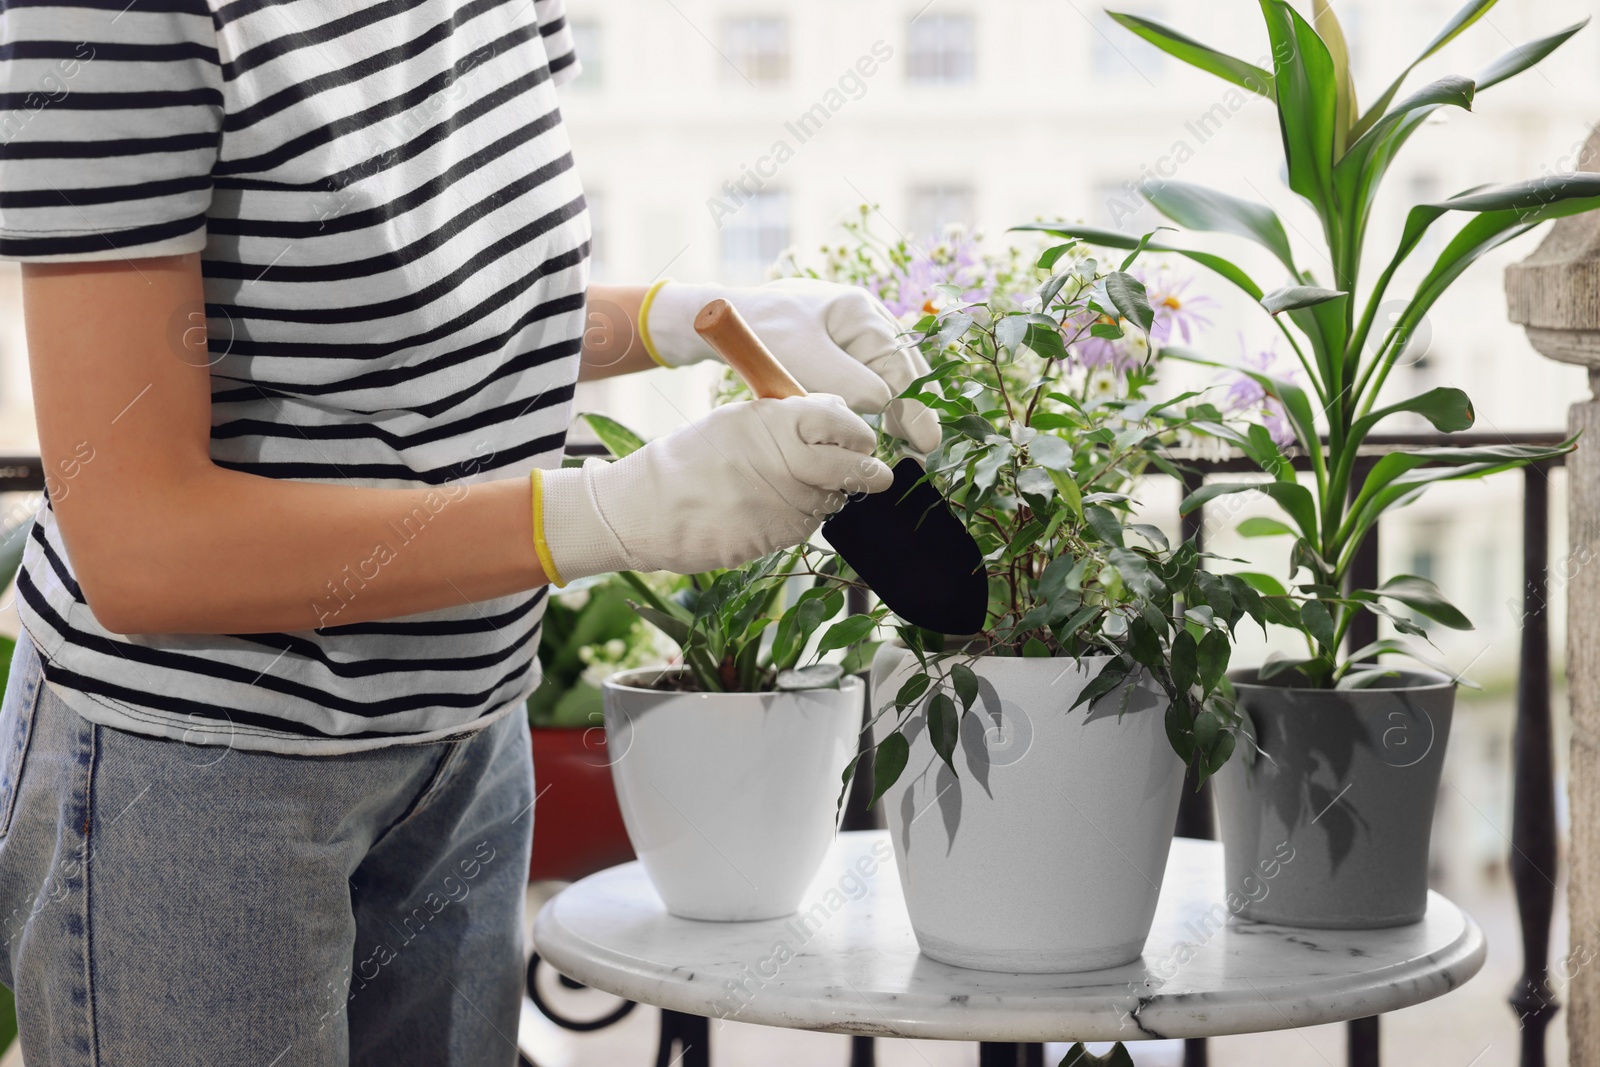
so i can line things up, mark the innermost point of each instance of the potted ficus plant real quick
(725, 763)
(1348, 749)
(1031, 772)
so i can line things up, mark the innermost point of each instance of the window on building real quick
(586, 42)
(935, 207)
(756, 47)
(754, 236)
(1117, 53)
(940, 49)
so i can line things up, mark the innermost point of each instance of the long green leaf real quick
(1295, 297)
(1196, 207)
(1307, 94)
(1400, 477)
(1295, 499)
(1422, 596)
(1104, 238)
(1472, 12)
(1506, 211)
(617, 438)
(1525, 56)
(887, 763)
(1449, 410)
(1181, 46)
(1326, 23)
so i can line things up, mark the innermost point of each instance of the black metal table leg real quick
(1363, 1041)
(1196, 1052)
(691, 1034)
(998, 1054)
(863, 1052)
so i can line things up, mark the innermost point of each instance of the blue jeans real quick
(171, 904)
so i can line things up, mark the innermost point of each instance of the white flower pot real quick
(730, 798)
(1046, 854)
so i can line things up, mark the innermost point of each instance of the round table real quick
(849, 964)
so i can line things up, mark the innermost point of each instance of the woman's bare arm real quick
(165, 541)
(611, 343)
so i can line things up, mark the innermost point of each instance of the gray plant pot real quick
(1328, 825)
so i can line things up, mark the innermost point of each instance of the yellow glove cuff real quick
(541, 546)
(644, 322)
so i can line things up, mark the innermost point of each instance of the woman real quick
(305, 291)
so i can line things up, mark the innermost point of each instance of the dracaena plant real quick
(1337, 155)
(1039, 461)
(749, 629)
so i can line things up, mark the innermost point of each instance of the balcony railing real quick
(1533, 853)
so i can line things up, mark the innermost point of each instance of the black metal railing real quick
(1533, 853)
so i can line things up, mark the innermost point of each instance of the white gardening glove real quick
(833, 338)
(744, 481)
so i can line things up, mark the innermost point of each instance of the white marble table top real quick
(854, 966)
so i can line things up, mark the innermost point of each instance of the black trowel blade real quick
(907, 544)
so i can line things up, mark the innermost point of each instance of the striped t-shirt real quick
(395, 250)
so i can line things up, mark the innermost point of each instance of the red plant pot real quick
(577, 826)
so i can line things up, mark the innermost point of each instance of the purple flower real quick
(910, 290)
(1178, 312)
(1247, 396)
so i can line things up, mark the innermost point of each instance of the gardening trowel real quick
(904, 542)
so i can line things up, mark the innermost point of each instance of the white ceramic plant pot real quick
(730, 799)
(1046, 854)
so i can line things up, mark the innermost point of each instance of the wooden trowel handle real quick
(725, 330)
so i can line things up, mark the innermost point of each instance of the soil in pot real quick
(1047, 853)
(730, 799)
(1328, 825)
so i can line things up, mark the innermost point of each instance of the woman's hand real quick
(746, 480)
(833, 338)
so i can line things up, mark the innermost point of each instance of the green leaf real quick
(845, 633)
(1326, 23)
(1295, 297)
(1524, 56)
(1447, 410)
(1261, 526)
(1245, 75)
(617, 438)
(1307, 94)
(1212, 662)
(1196, 207)
(1080, 1056)
(1069, 491)
(965, 684)
(676, 629)
(1318, 622)
(1293, 497)
(1396, 478)
(1185, 656)
(887, 763)
(1424, 598)
(1111, 675)
(1262, 583)
(944, 726)
(912, 691)
(1469, 14)
(1105, 525)
(1130, 298)
(1036, 649)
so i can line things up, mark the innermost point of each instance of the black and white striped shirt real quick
(395, 251)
